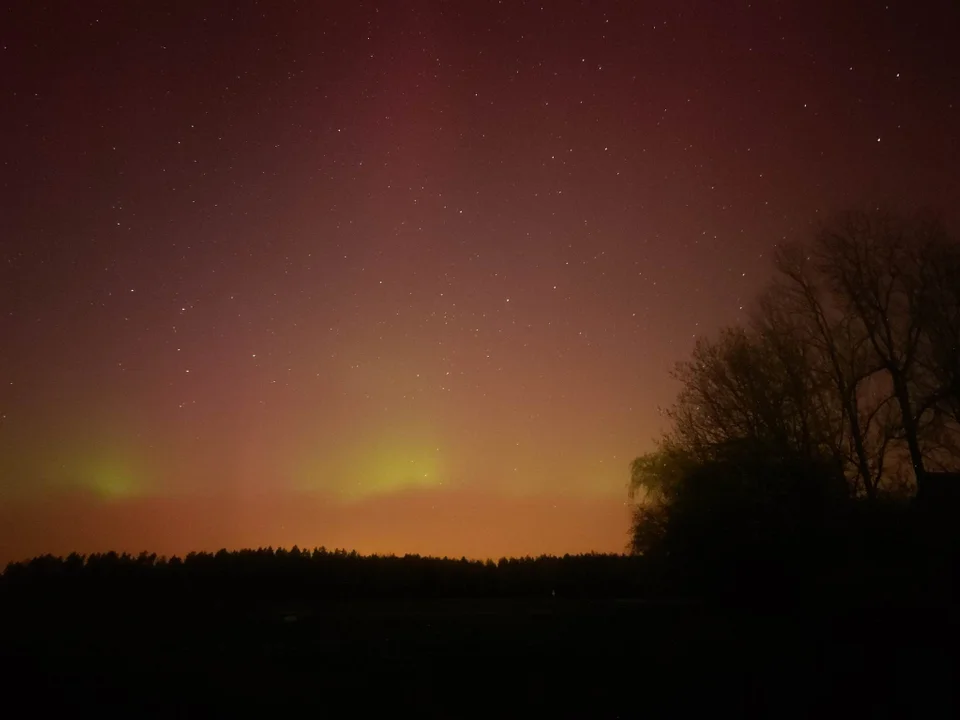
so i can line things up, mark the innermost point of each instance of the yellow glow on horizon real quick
(395, 462)
(112, 478)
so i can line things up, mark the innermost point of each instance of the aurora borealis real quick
(409, 277)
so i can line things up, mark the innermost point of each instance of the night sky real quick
(409, 276)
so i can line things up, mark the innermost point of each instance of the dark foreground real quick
(546, 657)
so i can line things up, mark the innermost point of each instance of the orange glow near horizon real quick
(409, 277)
(451, 523)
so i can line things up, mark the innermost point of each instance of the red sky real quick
(409, 276)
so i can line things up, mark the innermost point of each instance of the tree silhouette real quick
(852, 419)
(940, 349)
(845, 376)
(874, 266)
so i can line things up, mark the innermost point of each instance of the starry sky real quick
(409, 277)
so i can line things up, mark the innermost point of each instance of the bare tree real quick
(939, 359)
(745, 385)
(874, 263)
(846, 380)
(852, 406)
(941, 352)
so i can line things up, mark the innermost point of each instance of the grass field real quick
(459, 658)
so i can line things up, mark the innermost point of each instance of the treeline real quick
(813, 456)
(242, 576)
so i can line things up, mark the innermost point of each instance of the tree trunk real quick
(909, 424)
(858, 446)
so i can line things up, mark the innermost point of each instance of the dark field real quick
(547, 657)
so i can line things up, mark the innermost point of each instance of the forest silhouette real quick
(794, 530)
